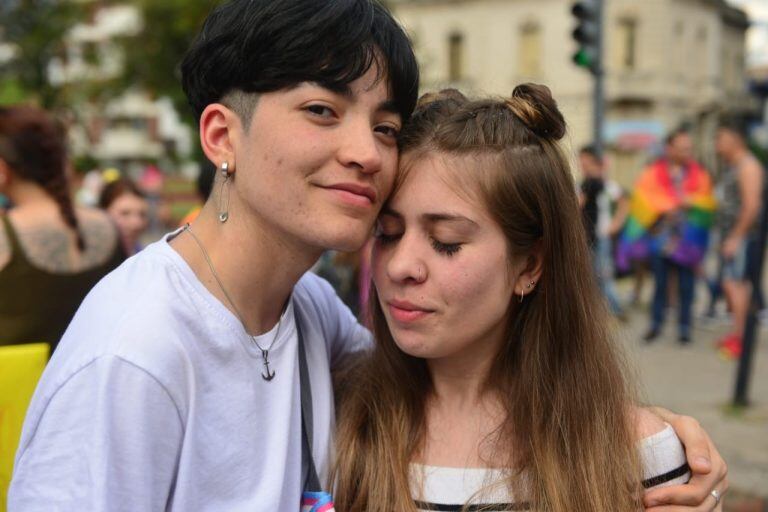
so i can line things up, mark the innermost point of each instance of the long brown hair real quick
(33, 145)
(567, 426)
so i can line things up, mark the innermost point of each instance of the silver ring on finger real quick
(716, 494)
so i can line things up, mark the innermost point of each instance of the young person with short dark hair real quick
(176, 386)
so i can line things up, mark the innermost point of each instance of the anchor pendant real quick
(270, 375)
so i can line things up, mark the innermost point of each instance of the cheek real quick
(378, 266)
(479, 287)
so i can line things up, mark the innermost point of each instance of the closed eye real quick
(444, 248)
(385, 239)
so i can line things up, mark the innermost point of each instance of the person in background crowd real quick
(670, 215)
(127, 205)
(604, 208)
(741, 196)
(51, 253)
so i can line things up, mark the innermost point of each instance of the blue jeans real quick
(661, 268)
(603, 264)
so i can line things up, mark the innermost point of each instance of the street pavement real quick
(694, 380)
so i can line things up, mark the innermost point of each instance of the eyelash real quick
(440, 247)
(319, 110)
(312, 109)
(443, 248)
(393, 132)
(386, 239)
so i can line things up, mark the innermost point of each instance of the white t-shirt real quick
(449, 489)
(154, 399)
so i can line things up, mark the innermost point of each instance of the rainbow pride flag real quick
(668, 220)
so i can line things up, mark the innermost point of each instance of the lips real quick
(363, 191)
(407, 312)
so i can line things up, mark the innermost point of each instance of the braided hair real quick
(33, 144)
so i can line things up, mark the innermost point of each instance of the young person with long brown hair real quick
(495, 383)
(51, 253)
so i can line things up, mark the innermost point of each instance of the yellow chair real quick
(20, 369)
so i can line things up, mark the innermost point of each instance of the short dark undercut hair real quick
(248, 47)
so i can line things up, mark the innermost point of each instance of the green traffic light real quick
(583, 59)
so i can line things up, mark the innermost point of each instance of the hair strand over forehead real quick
(258, 46)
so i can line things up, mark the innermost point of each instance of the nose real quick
(404, 264)
(359, 148)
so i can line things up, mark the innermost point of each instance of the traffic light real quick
(587, 34)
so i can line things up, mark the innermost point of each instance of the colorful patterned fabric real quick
(666, 218)
(319, 501)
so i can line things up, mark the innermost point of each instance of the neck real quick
(460, 380)
(25, 193)
(257, 265)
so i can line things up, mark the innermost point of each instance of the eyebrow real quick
(345, 91)
(432, 217)
(447, 217)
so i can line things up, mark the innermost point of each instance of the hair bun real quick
(534, 105)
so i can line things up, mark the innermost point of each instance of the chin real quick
(348, 239)
(414, 347)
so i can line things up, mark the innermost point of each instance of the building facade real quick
(667, 62)
(132, 129)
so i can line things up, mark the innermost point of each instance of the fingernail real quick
(702, 461)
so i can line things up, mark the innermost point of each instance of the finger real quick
(696, 442)
(708, 505)
(686, 494)
(677, 508)
(696, 493)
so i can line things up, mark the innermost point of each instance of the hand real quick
(730, 246)
(708, 471)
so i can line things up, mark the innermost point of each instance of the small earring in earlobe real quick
(522, 295)
(224, 197)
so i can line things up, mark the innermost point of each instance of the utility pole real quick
(588, 34)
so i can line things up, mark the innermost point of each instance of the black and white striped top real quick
(449, 489)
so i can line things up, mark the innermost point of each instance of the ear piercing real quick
(224, 198)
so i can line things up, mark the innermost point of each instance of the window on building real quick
(455, 57)
(529, 58)
(627, 44)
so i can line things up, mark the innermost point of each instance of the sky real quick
(757, 35)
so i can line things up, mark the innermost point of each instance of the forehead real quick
(682, 139)
(437, 182)
(128, 199)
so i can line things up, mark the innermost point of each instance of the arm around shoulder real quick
(107, 439)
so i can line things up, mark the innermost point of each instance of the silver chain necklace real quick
(264, 352)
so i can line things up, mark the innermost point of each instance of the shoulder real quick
(317, 297)
(100, 235)
(751, 171)
(661, 452)
(321, 306)
(645, 422)
(140, 312)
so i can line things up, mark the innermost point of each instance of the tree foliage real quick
(35, 31)
(152, 58)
